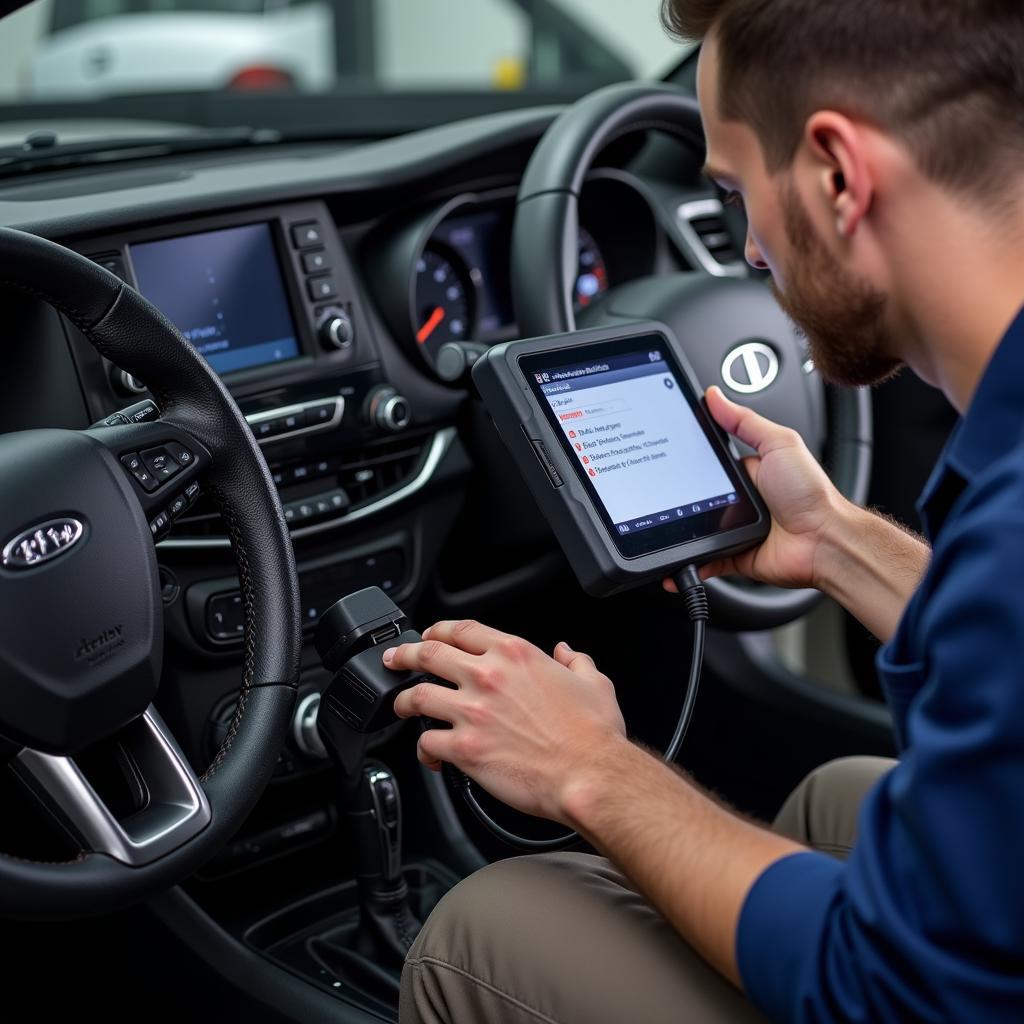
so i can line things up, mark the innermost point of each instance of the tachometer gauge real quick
(444, 304)
(591, 276)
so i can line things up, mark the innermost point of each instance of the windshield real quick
(85, 58)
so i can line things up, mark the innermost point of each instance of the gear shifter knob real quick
(376, 819)
(387, 922)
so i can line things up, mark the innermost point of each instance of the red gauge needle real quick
(431, 325)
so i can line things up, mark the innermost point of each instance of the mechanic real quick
(878, 148)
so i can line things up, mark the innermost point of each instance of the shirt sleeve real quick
(924, 921)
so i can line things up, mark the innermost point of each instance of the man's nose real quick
(753, 253)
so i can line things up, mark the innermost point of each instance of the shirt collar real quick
(992, 426)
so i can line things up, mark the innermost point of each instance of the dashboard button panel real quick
(321, 288)
(304, 418)
(305, 236)
(315, 262)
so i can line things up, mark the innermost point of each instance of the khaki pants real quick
(564, 939)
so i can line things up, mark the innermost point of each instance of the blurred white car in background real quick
(104, 47)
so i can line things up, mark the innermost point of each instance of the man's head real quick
(825, 115)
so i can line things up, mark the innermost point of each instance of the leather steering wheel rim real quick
(545, 232)
(136, 337)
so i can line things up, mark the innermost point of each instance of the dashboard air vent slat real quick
(703, 228)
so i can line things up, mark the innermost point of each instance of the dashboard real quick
(326, 285)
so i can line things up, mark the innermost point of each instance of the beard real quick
(841, 316)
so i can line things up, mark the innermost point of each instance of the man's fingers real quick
(576, 661)
(433, 657)
(427, 699)
(751, 428)
(466, 634)
(435, 746)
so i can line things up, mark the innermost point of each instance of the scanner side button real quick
(547, 462)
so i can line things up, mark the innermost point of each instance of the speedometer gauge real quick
(591, 275)
(443, 308)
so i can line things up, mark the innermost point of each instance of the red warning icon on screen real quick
(579, 447)
(572, 433)
(591, 471)
(586, 460)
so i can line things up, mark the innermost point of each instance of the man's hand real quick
(524, 725)
(802, 500)
(868, 563)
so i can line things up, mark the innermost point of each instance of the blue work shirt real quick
(925, 921)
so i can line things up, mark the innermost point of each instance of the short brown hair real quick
(946, 76)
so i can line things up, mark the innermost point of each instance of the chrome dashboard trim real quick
(288, 410)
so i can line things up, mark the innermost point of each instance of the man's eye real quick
(733, 198)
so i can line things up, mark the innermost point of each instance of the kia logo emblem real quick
(42, 543)
(750, 368)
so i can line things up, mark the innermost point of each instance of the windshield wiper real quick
(43, 149)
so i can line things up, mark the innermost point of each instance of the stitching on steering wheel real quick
(248, 608)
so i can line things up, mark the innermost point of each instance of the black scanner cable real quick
(688, 582)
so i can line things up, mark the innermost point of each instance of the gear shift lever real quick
(387, 923)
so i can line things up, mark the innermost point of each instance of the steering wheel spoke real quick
(133, 797)
(163, 462)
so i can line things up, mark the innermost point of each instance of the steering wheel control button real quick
(177, 506)
(161, 463)
(225, 619)
(192, 492)
(180, 453)
(159, 525)
(315, 262)
(321, 288)
(307, 236)
(138, 469)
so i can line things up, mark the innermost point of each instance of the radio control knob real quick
(304, 732)
(335, 329)
(387, 409)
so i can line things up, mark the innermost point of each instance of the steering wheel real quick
(712, 317)
(81, 634)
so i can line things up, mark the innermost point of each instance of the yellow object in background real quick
(509, 73)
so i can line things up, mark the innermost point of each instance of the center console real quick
(269, 298)
(362, 448)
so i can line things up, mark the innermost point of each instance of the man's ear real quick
(845, 182)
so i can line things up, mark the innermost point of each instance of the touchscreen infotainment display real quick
(625, 416)
(224, 291)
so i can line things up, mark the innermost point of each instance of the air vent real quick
(703, 228)
(374, 475)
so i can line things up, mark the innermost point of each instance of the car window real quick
(86, 50)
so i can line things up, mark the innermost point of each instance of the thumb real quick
(575, 661)
(751, 428)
